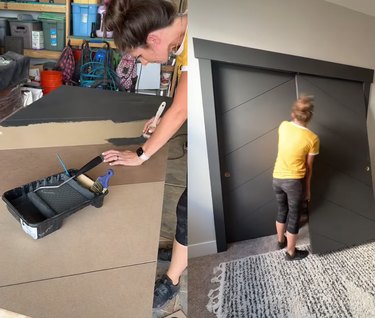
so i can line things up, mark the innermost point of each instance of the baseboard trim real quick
(202, 249)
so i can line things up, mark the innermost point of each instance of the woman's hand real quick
(148, 127)
(308, 196)
(122, 158)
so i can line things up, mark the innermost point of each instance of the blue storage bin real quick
(83, 17)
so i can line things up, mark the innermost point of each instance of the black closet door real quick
(250, 105)
(342, 207)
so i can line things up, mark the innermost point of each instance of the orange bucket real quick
(50, 80)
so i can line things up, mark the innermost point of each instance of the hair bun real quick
(303, 108)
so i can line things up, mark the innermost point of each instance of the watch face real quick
(139, 151)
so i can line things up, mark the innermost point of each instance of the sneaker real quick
(164, 290)
(282, 244)
(298, 255)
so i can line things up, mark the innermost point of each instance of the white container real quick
(37, 40)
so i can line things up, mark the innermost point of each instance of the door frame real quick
(208, 53)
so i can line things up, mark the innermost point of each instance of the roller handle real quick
(90, 165)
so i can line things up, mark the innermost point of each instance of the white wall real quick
(309, 28)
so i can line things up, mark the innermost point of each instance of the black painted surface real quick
(342, 206)
(72, 103)
(250, 104)
(118, 142)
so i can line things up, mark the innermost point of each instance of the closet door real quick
(342, 206)
(250, 104)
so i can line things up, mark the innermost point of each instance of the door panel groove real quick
(351, 176)
(356, 213)
(357, 110)
(251, 141)
(250, 180)
(257, 96)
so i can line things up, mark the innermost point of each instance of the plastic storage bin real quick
(54, 35)
(41, 213)
(87, 1)
(24, 29)
(4, 30)
(83, 17)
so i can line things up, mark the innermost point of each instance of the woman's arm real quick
(309, 166)
(169, 124)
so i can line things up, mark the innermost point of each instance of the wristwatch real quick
(141, 154)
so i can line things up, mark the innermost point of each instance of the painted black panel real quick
(252, 210)
(240, 90)
(73, 103)
(260, 114)
(343, 190)
(251, 160)
(248, 145)
(339, 227)
(342, 208)
(257, 117)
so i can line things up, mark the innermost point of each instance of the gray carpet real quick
(339, 284)
(200, 269)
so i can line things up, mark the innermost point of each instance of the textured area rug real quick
(340, 284)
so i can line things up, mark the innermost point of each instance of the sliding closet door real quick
(250, 104)
(342, 206)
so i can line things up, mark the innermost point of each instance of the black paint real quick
(118, 142)
(76, 104)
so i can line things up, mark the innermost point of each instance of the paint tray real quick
(42, 212)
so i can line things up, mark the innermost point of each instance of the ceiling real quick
(363, 6)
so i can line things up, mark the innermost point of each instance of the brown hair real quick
(132, 20)
(302, 109)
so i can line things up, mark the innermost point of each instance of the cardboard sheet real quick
(19, 167)
(115, 293)
(67, 134)
(123, 232)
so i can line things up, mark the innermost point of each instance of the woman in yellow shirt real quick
(151, 30)
(297, 148)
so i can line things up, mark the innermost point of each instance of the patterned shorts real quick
(289, 197)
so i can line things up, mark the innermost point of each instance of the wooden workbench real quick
(102, 261)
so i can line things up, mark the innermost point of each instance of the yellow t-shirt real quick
(295, 143)
(182, 59)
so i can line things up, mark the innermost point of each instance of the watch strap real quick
(141, 154)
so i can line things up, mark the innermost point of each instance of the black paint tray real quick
(42, 212)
